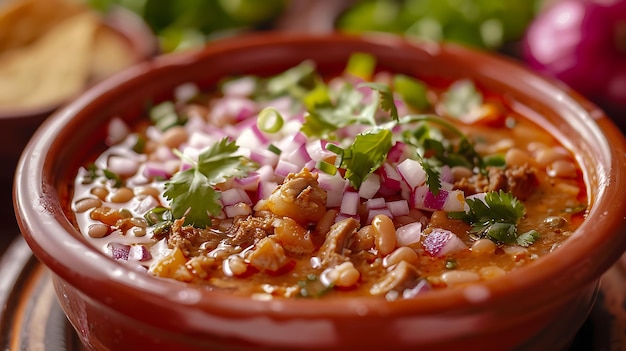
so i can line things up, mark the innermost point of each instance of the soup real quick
(368, 183)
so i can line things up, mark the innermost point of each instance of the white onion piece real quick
(398, 152)
(250, 182)
(370, 186)
(350, 203)
(243, 86)
(284, 167)
(139, 253)
(185, 92)
(409, 234)
(117, 131)
(398, 207)
(377, 202)
(265, 189)
(145, 205)
(335, 185)
(441, 242)
(234, 196)
(376, 211)
(264, 157)
(411, 172)
(122, 165)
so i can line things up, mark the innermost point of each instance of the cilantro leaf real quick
(387, 102)
(461, 98)
(192, 192)
(496, 217)
(365, 155)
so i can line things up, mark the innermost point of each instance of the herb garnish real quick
(496, 218)
(193, 192)
(93, 173)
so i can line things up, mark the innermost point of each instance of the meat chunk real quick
(335, 250)
(521, 181)
(267, 255)
(246, 231)
(401, 275)
(188, 239)
(299, 197)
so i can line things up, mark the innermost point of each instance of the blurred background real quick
(51, 50)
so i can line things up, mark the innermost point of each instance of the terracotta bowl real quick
(540, 306)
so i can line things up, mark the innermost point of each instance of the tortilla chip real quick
(52, 69)
(30, 19)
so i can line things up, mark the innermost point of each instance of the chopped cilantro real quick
(192, 191)
(461, 98)
(312, 287)
(495, 218)
(412, 91)
(294, 81)
(451, 263)
(361, 65)
(365, 155)
(528, 238)
(386, 98)
(93, 173)
(164, 116)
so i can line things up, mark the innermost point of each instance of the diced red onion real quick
(199, 140)
(370, 186)
(146, 204)
(284, 167)
(350, 203)
(123, 166)
(117, 131)
(119, 251)
(398, 152)
(341, 216)
(185, 92)
(335, 185)
(317, 150)
(441, 242)
(409, 234)
(298, 156)
(153, 170)
(435, 202)
(455, 201)
(447, 200)
(411, 172)
(139, 253)
(377, 202)
(265, 189)
(263, 156)
(446, 175)
(398, 207)
(250, 182)
(243, 86)
(234, 196)
(391, 179)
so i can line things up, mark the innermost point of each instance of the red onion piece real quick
(411, 172)
(370, 186)
(119, 251)
(335, 185)
(398, 207)
(139, 253)
(441, 242)
(409, 234)
(234, 196)
(350, 203)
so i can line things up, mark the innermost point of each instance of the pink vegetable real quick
(441, 242)
(583, 43)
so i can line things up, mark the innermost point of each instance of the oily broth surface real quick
(550, 200)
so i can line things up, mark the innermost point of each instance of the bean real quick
(516, 157)
(100, 192)
(545, 156)
(490, 272)
(385, 234)
(344, 275)
(460, 172)
(85, 204)
(484, 247)
(562, 169)
(138, 231)
(459, 277)
(98, 230)
(403, 253)
(147, 190)
(122, 195)
(174, 136)
(139, 222)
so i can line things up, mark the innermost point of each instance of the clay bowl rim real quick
(45, 228)
(123, 22)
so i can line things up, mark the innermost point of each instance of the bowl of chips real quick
(54, 51)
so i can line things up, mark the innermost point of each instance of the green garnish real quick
(294, 81)
(192, 191)
(412, 91)
(386, 98)
(461, 98)
(528, 238)
(164, 116)
(93, 173)
(365, 155)
(451, 263)
(496, 217)
(312, 287)
(269, 120)
(361, 65)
